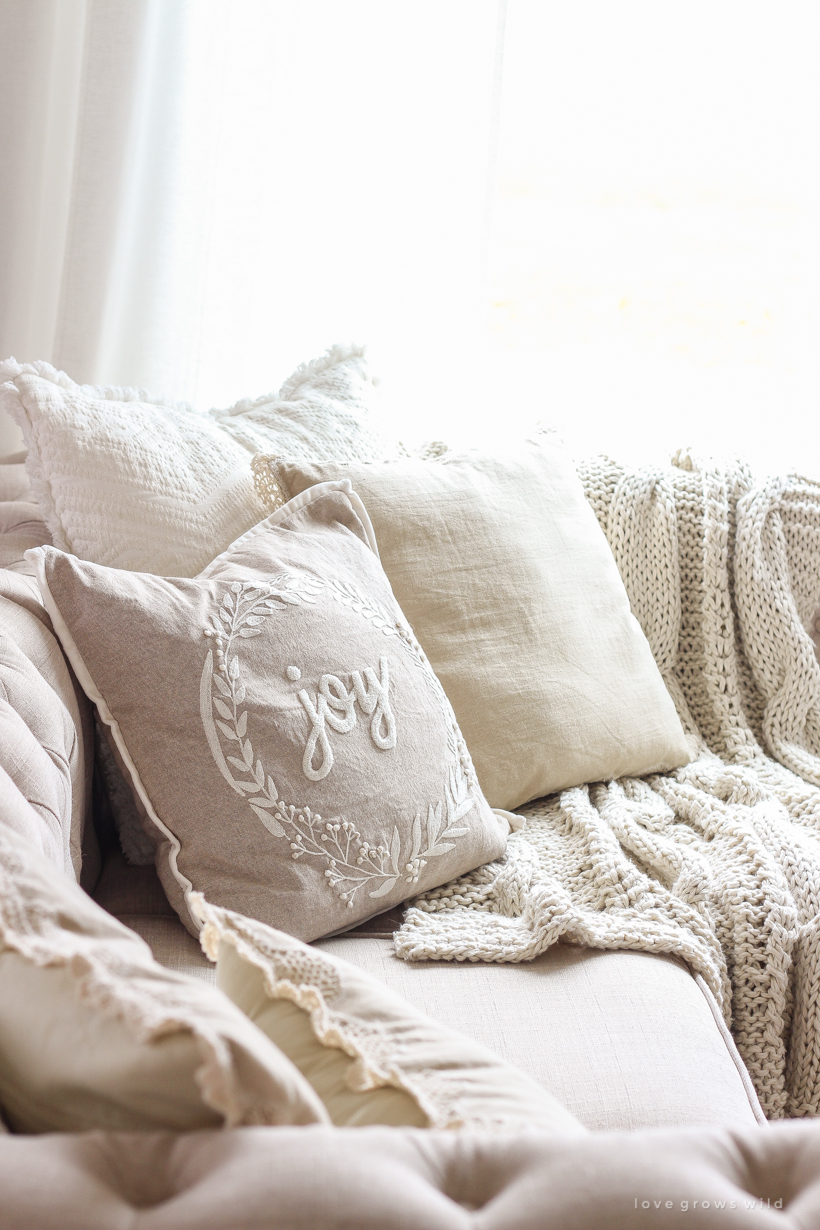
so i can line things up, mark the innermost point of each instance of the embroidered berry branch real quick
(353, 863)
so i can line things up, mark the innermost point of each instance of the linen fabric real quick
(125, 479)
(21, 523)
(14, 482)
(46, 737)
(370, 1055)
(21, 528)
(95, 1034)
(296, 758)
(135, 896)
(719, 862)
(510, 585)
(593, 1027)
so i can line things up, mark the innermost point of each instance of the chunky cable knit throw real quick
(718, 862)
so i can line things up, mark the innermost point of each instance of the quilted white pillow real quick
(125, 479)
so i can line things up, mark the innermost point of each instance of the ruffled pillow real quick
(371, 1056)
(95, 1034)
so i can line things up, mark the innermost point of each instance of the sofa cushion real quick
(94, 1033)
(135, 896)
(511, 587)
(172, 945)
(369, 1054)
(125, 479)
(295, 755)
(125, 889)
(622, 1039)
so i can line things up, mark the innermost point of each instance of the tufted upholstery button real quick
(319, 1178)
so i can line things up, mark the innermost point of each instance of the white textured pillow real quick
(126, 480)
(372, 1057)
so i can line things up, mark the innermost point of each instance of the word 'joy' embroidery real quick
(335, 706)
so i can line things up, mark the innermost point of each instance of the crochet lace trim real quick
(311, 980)
(115, 974)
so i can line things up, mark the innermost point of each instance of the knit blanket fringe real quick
(718, 862)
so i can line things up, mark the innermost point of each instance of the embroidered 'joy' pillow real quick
(293, 752)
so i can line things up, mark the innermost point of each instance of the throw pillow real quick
(370, 1055)
(295, 756)
(510, 585)
(125, 479)
(95, 1034)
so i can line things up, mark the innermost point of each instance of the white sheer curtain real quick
(89, 98)
(197, 195)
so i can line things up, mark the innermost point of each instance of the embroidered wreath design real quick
(350, 863)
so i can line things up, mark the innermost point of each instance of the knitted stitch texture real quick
(718, 862)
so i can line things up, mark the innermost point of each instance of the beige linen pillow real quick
(129, 480)
(503, 571)
(295, 756)
(95, 1034)
(371, 1056)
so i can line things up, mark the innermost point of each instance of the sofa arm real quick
(318, 1178)
(46, 729)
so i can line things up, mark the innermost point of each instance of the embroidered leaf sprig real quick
(349, 596)
(244, 607)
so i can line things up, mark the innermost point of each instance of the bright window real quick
(655, 279)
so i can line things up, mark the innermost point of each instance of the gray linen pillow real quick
(296, 757)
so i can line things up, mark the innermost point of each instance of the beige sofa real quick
(628, 1041)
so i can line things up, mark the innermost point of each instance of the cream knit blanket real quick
(718, 862)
